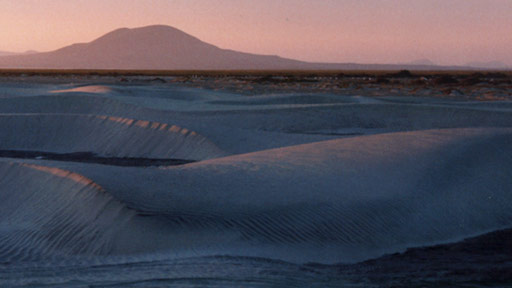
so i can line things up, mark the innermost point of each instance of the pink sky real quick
(364, 31)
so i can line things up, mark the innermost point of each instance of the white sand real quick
(273, 186)
(86, 89)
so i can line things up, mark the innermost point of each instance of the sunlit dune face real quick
(121, 120)
(142, 123)
(373, 31)
(86, 89)
(148, 124)
(65, 174)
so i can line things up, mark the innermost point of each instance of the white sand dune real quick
(103, 135)
(86, 89)
(238, 124)
(231, 139)
(290, 99)
(47, 212)
(69, 104)
(334, 201)
(52, 214)
(298, 177)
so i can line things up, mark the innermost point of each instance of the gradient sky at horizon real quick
(363, 31)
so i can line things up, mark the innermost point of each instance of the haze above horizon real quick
(371, 31)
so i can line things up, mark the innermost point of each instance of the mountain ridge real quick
(161, 47)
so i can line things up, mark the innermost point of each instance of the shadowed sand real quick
(281, 178)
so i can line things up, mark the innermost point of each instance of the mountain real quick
(5, 53)
(497, 65)
(424, 61)
(152, 47)
(161, 47)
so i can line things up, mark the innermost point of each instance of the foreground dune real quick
(337, 201)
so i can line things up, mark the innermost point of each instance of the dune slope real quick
(102, 135)
(342, 200)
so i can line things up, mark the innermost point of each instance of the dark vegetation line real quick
(89, 157)
(223, 73)
(466, 78)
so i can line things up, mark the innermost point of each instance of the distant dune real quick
(166, 48)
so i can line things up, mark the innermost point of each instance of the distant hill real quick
(422, 62)
(5, 53)
(166, 48)
(152, 47)
(492, 65)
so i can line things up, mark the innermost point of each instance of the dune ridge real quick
(160, 47)
(50, 212)
(103, 135)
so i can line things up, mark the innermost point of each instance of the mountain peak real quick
(145, 33)
(154, 47)
(145, 29)
(161, 47)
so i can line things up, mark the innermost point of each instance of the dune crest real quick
(104, 136)
(68, 215)
(86, 89)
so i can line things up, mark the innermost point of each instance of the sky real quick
(362, 31)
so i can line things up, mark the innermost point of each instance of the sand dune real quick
(68, 215)
(86, 89)
(59, 215)
(241, 124)
(311, 202)
(102, 135)
(279, 180)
